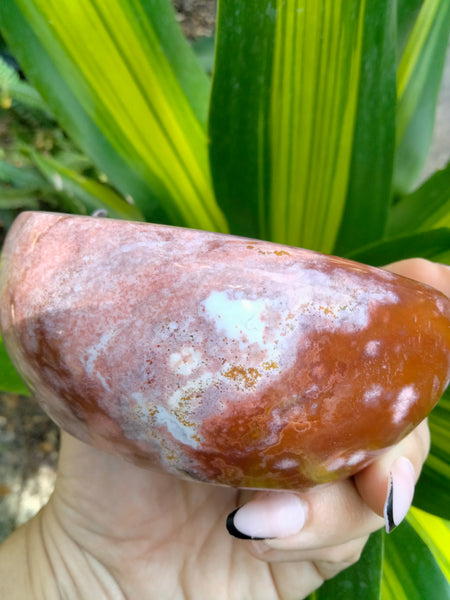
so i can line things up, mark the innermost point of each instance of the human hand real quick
(112, 530)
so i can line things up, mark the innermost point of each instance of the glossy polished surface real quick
(228, 360)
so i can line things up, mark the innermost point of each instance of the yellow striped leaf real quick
(283, 115)
(410, 569)
(125, 84)
(419, 77)
(315, 79)
(433, 488)
(435, 532)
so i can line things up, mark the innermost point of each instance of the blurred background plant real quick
(313, 131)
(40, 167)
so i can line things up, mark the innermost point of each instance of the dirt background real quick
(28, 439)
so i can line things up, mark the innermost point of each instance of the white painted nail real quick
(400, 493)
(270, 515)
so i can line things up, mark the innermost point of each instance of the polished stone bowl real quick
(223, 359)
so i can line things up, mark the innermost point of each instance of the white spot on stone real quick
(185, 361)
(286, 463)
(239, 319)
(313, 408)
(349, 461)
(372, 348)
(181, 432)
(140, 400)
(312, 391)
(327, 304)
(405, 399)
(386, 274)
(373, 393)
(356, 458)
(436, 385)
(336, 464)
(103, 382)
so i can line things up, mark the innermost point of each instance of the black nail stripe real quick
(389, 511)
(232, 530)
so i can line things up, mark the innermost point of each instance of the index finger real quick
(425, 271)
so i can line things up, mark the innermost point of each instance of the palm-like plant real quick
(312, 132)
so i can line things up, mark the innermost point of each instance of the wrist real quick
(40, 561)
(25, 571)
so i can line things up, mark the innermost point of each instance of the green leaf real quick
(239, 149)
(407, 13)
(435, 532)
(20, 176)
(204, 48)
(433, 488)
(124, 83)
(75, 161)
(360, 581)
(13, 88)
(18, 198)
(419, 77)
(369, 188)
(93, 194)
(433, 245)
(443, 256)
(9, 378)
(410, 571)
(426, 208)
(283, 115)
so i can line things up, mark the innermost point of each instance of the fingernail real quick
(269, 516)
(400, 493)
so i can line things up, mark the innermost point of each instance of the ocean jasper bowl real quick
(219, 358)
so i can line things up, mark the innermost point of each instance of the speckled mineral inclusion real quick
(225, 359)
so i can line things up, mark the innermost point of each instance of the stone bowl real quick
(223, 359)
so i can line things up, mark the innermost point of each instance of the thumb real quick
(387, 485)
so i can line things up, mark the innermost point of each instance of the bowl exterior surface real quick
(224, 359)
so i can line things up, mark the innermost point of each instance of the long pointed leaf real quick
(410, 571)
(433, 245)
(13, 88)
(9, 378)
(426, 208)
(433, 488)
(20, 176)
(92, 194)
(126, 86)
(239, 150)
(419, 78)
(13, 198)
(435, 532)
(407, 13)
(296, 98)
(369, 189)
(313, 108)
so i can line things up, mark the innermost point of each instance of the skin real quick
(114, 531)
